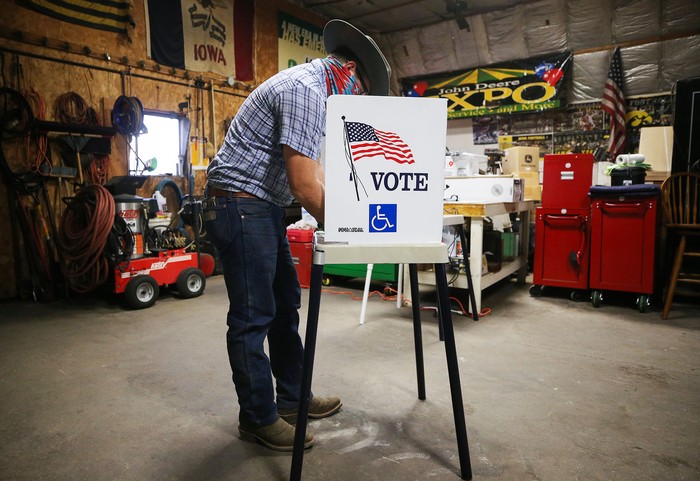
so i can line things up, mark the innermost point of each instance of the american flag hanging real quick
(366, 141)
(614, 105)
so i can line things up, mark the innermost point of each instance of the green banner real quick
(517, 86)
(298, 41)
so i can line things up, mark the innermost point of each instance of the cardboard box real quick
(483, 188)
(656, 144)
(521, 159)
(532, 189)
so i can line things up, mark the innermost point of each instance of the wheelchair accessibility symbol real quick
(382, 217)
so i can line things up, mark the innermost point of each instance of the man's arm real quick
(305, 181)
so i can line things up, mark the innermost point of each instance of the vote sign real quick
(384, 161)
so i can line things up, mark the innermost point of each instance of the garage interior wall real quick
(55, 70)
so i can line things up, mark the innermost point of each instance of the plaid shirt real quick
(287, 109)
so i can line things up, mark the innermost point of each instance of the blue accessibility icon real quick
(382, 217)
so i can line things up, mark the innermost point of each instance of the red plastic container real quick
(301, 245)
(566, 180)
(300, 235)
(561, 247)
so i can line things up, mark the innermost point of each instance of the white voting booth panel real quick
(384, 167)
(384, 163)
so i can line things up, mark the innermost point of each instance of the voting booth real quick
(384, 169)
(384, 180)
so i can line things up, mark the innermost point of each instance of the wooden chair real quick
(680, 200)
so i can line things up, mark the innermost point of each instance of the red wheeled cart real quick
(561, 249)
(140, 279)
(624, 224)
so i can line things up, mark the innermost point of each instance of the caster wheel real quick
(643, 303)
(326, 280)
(577, 296)
(535, 291)
(596, 298)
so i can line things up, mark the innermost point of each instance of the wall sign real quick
(527, 85)
(384, 166)
(298, 41)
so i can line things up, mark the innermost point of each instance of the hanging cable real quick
(36, 101)
(83, 232)
(71, 108)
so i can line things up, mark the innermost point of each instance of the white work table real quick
(473, 214)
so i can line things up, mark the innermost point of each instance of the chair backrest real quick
(680, 199)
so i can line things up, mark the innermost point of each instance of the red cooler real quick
(623, 241)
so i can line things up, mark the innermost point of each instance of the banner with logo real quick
(527, 85)
(298, 41)
(384, 166)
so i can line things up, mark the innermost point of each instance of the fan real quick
(458, 8)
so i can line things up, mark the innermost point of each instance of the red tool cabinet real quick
(562, 224)
(561, 248)
(566, 180)
(624, 222)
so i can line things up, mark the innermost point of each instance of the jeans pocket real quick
(254, 208)
(219, 228)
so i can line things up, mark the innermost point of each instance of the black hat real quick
(340, 34)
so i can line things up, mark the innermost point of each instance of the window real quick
(157, 150)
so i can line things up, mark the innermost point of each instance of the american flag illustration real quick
(366, 141)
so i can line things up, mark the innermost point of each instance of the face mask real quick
(339, 80)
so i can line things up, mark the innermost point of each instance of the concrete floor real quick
(553, 390)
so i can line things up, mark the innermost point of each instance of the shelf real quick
(487, 280)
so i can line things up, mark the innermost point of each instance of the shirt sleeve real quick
(302, 120)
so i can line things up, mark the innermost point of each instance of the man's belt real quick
(213, 191)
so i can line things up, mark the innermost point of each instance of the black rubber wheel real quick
(596, 298)
(643, 303)
(191, 283)
(535, 291)
(327, 280)
(141, 292)
(577, 296)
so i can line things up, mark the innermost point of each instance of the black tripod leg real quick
(453, 372)
(307, 373)
(417, 333)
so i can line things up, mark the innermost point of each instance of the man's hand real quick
(305, 181)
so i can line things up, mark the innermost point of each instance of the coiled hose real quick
(85, 226)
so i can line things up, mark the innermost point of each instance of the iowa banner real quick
(111, 15)
(517, 86)
(196, 35)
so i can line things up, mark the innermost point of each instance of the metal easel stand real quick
(435, 254)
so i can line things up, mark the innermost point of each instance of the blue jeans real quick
(264, 298)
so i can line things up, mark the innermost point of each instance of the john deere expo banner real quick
(517, 86)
